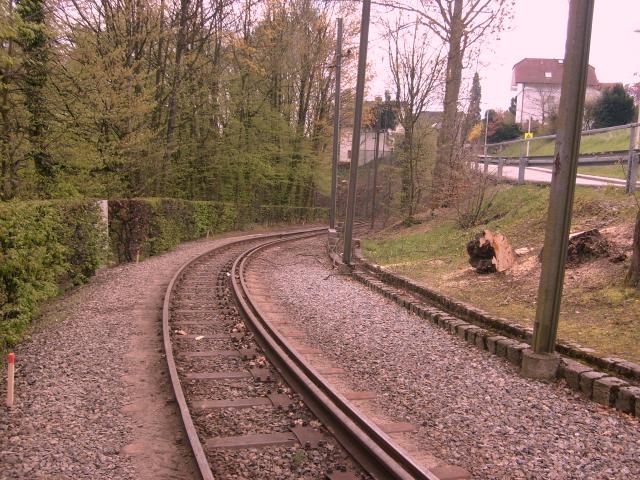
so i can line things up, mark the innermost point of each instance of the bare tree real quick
(460, 24)
(544, 102)
(416, 69)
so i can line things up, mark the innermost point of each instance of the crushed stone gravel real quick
(68, 421)
(206, 283)
(472, 409)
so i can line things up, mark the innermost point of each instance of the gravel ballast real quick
(206, 284)
(471, 409)
(92, 393)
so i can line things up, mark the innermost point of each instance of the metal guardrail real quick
(629, 156)
(585, 133)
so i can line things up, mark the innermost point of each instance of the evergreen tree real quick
(33, 41)
(13, 144)
(513, 105)
(614, 107)
(473, 112)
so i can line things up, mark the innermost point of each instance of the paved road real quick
(542, 175)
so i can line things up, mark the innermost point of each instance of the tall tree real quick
(513, 105)
(226, 100)
(473, 111)
(416, 72)
(33, 41)
(460, 24)
(13, 140)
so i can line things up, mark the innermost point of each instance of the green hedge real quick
(47, 247)
(140, 227)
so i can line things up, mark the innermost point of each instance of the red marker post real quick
(11, 371)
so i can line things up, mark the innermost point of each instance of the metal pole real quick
(524, 85)
(375, 176)
(486, 131)
(523, 164)
(364, 209)
(637, 142)
(628, 188)
(563, 182)
(528, 139)
(336, 130)
(357, 121)
(633, 173)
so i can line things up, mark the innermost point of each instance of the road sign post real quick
(542, 362)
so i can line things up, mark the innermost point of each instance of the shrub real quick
(45, 248)
(142, 227)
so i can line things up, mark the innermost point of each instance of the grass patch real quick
(516, 211)
(601, 142)
(597, 310)
(611, 171)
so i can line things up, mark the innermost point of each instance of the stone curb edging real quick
(461, 320)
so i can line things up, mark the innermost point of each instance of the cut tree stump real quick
(490, 252)
(587, 245)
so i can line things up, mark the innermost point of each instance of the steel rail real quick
(364, 440)
(189, 427)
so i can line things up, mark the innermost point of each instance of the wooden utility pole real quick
(543, 362)
(357, 122)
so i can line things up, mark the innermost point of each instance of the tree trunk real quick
(34, 43)
(633, 275)
(448, 132)
(157, 113)
(177, 77)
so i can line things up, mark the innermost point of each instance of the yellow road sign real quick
(528, 135)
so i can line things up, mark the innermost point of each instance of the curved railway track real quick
(210, 295)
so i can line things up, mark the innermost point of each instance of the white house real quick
(537, 82)
(367, 145)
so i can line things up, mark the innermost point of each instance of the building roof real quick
(431, 118)
(604, 85)
(545, 70)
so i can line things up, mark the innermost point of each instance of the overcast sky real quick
(539, 30)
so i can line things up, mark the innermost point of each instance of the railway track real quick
(252, 406)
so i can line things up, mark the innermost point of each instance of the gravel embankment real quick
(74, 378)
(472, 409)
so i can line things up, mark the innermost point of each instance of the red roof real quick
(545, 70)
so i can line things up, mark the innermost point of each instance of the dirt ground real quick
(597, 311)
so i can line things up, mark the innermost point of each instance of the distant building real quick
(367, 144)
(537, 82)
(431, 119)
(367, 139)
(388, 139)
